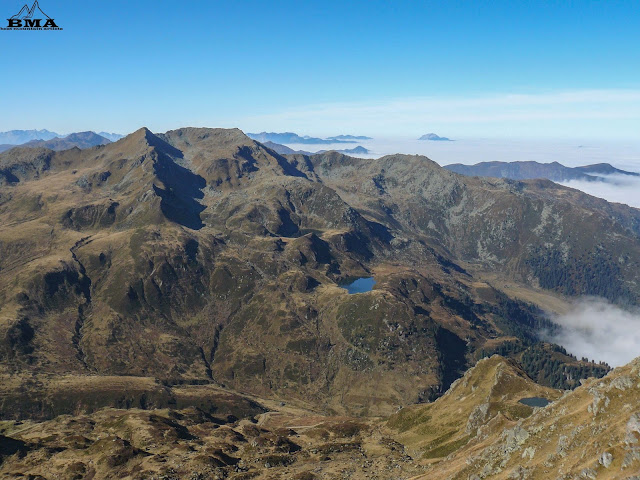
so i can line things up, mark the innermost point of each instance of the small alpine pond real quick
(535, 401)
(360, 285)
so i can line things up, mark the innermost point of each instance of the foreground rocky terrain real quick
(591, 432)
(478, 429)
(195, 277)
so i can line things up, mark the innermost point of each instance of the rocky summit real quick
(172, 306)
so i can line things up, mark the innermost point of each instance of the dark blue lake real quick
(535, 401)
(360, 285)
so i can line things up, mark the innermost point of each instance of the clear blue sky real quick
(507, 68)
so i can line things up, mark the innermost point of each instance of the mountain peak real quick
(18, 137)
(142, 135)
(219, 135)
(87, 134)
(111, 136)
(143, 138)
(434, 137)
(74, 140)
(141, 132)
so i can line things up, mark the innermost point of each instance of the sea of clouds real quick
(614, 188)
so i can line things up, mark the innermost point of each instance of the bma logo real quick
(31, 19)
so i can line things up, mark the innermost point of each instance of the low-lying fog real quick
(600, 331)
(616, 188)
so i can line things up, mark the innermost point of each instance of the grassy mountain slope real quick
(488, 392)
(590, 432)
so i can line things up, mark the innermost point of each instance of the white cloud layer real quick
(600, 331)
(568, 114)
(618, 188)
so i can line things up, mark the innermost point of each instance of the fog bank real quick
(617, 188)
(600, 331)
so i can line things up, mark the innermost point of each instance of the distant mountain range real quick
(114, 137)
(554, 171)
(80, 140)
(349, 137)
(435, 138)
(289, 137)
(284, 150)
(18, 137)
(359, 150)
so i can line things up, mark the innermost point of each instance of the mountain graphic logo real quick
(31, 19)
(26, 12)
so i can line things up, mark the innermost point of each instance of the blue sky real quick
(496, 69)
